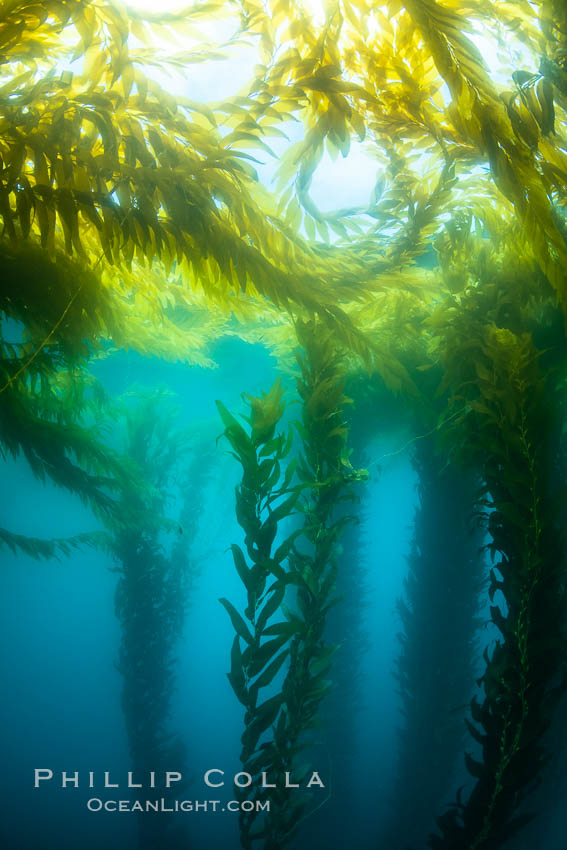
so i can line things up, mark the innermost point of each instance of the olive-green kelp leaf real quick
(72, 455)
(38, 548)
(480, 114)
(503, 358)
(67, 308)
(388, 70)
(160, 236)
(264, 498)
(109, 166)
(327, 481)
(237, 621)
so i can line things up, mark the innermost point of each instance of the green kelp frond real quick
(505, 389)
(114, 171)
(264, 499)
(111, 169)
(276, 732)
(71, 455)
(266, 412)
(35, 547)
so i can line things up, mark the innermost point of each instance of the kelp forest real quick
(283, 403)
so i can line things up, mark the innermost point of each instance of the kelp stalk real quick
(263, 500)
(150, 604)
(327, 477)
(511, 428)
(436, 664)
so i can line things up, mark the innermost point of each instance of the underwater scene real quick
(283, 413)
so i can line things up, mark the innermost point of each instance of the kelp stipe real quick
(510, 427)
(436, 666)
(327, 478)
(155, 202)
(264, 498)
(373, 411)
(150, 604)
(198, 472)
(341, 712)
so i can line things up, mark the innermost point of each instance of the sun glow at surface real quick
(316, 9)
(150, 7)
(340, 182)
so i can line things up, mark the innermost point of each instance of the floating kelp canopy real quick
(155, 199)
(134, 217)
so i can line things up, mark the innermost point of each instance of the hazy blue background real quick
(61, 708)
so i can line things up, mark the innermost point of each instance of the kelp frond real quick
(42, 549)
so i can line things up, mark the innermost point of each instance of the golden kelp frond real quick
(344, 83)
(404, 104)
(99, 31)
(70, 311)
(491, 256)
(272, 329)
(410, 77)
(30, 31)
(128, 178)
(158, 315)
(507, 298)
(186, 338)
(394, 324)
(481, 116)
(392, 320)
(116, 173)
(265, 412)
(553, 18)
(59, 301)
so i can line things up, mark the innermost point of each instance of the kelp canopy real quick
(147, 210)
(134, 217)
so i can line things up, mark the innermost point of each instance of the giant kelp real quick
(436, 666)
(436, 659)
(345, 628)
(133, 216)
(264, 498)
(327, 479)
(505, 388)
(113, 170)
(151, 598)
(53, 414)
(94, 162)
(133, 173)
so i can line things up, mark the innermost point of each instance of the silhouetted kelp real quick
(327, 480)
(152, 594)
(436, 666)
(341, 711)
(51, 408)
(511, 417)
(134, 217)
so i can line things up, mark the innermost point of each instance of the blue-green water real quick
(61, 709)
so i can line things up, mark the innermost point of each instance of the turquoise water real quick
(63, 709)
